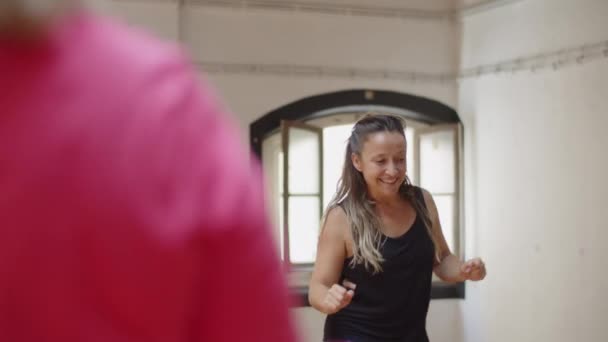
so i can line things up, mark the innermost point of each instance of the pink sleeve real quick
(241, 293)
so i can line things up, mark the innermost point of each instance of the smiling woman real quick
(380, 242)
(316, 153)
(374, 172)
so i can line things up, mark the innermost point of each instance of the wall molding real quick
(552, 60)
(548, 61)
(321, 71)
(339, 9)
(325, 8)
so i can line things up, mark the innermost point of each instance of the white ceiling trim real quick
(336, 9)
(324, 8)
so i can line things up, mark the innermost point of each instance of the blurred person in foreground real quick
(129, 211)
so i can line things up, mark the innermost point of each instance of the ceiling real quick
(399, 4)
(429, 9)
(415, 5)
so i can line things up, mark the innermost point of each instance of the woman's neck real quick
(387, 203)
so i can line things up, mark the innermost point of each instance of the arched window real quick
(307, 138)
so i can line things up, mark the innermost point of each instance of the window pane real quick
(411, 168)
(280, 165)
(303, 161)
(437, 164)
(334, 146)
(445, 207)
(304, 222)
(281, 226)
(271, 148)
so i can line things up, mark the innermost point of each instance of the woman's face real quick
(382, 163)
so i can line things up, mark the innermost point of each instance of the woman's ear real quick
(356, 160)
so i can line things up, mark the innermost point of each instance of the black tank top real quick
(390, 306)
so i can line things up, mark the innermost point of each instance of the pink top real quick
(128, 208)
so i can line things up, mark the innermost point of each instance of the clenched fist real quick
(338, 297)
(474, 269)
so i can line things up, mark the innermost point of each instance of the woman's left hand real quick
(473, 269)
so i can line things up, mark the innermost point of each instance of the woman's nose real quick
(392, 169)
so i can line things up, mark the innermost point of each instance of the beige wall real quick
(536, 180)
(311, 39)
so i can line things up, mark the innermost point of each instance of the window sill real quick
(439, 290)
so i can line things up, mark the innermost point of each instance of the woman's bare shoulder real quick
(337, 227)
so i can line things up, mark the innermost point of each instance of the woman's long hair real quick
(352, 196)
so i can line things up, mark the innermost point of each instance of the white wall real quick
(223, 35)
(159, 17)
(536, 176)
(269, 37)
(261, 94)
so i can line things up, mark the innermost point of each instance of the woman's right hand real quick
(338, 297)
